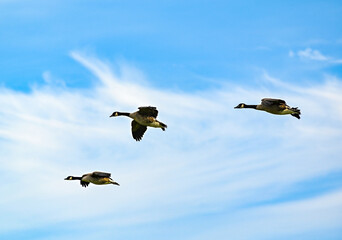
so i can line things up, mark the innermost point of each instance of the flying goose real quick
(98, 178)
(145, 117)
(274, 106)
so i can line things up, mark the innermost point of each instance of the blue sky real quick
(216, 172)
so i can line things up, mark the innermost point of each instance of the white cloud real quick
(211, 157)
(315, 55)
(305, 217)
(51, 80)
(312, 55)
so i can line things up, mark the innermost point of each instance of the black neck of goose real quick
(123, 114)
(250, 106)
(76, 178)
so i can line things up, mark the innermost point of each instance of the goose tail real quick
(296, 112)
(115, 183)
(162, 125)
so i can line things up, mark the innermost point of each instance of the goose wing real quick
(100, 175)
(148, 111)
(271, 102)
(138, 130)
(84, 184)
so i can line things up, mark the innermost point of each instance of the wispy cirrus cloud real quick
(314, 55)
(298, 219)
(211, 159)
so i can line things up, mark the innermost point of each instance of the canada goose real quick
(145, 117)
(99, 178)
(275, 106)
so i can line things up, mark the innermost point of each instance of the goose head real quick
(114, 114)
(241, 105)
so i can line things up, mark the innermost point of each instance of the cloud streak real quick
(211, 159)
(314, 55)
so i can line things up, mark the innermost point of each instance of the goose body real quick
(98, 178)
(274, 106)
(143, 118)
